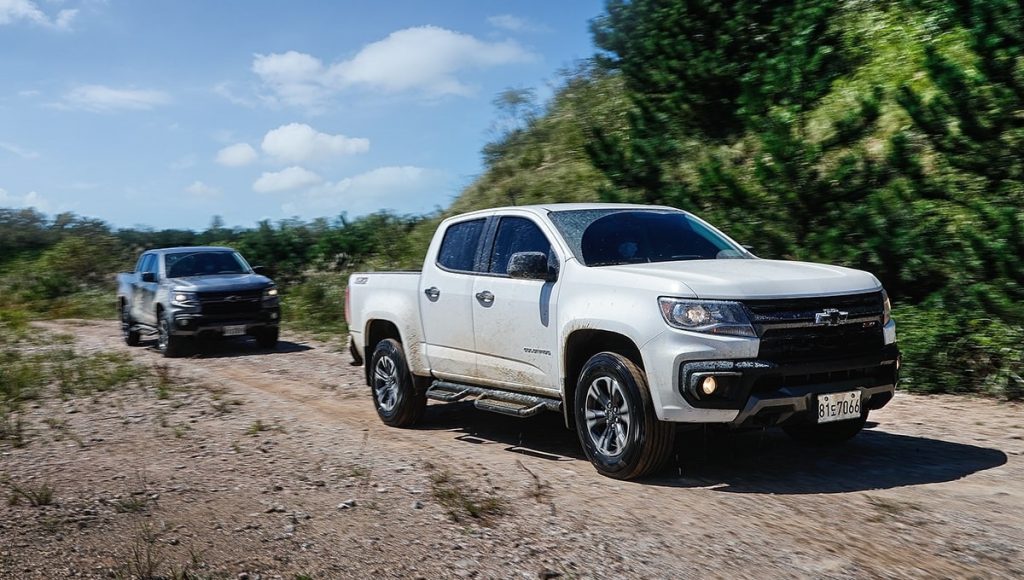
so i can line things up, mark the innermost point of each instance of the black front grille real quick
(789, 331)
(219, 303)
(771, 383)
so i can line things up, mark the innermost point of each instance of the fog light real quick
(273, 316)
(709, 386)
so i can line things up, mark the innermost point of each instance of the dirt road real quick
(274, 465)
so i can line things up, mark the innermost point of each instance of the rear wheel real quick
(825, 433)
(615, 420)
(128, 330)
(398, 401)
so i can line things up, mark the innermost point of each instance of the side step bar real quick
(493, 400)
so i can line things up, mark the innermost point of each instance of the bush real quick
(945, 350)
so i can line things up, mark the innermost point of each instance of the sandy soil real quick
(274, 465)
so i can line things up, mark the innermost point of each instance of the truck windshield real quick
(184, 264)
(605, 237)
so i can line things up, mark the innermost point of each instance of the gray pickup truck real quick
(183, 293)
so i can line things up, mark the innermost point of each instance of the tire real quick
(398, 401)
(267, 337)
(169, 345)
(804, 431)
(610, 385)
(130, 335)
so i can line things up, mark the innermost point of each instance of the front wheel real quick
(399, 403)
(169, 345)
(267, 337)
(615, 420)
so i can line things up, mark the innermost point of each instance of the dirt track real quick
(935, 487)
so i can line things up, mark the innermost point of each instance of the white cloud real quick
(224, 89)
(295, 78)
(300, 143)
(19, 151)
(99, 98)
(402, 188)
(237, 155)
(293, 177)
(30, 199)
(426, 60)
(12, 11)
(515, 24)
(200, 189)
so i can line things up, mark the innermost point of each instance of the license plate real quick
(838, 406)
(237, 330)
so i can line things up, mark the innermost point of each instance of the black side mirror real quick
(531, 266)
(259, 270)
(149, 276)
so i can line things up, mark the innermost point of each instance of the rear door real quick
(514, 319)
(446, 301)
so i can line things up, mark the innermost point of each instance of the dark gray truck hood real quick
(221, 283)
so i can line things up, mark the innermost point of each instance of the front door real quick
(514, 319)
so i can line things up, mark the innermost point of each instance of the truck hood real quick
(222, 283)
(757, 278)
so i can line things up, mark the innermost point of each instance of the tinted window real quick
(606, 237)
(458, 248)
(184, 264)
(149, 263)
(516, 234)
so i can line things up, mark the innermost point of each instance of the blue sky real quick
(164, 113)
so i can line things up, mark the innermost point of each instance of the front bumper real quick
(197, 324)
(765, 393)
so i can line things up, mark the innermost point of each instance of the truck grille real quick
(220, 303)
(789, 331)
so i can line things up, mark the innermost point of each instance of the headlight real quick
(710, 316)
(183, 298)
(270, 293)
(886, 308)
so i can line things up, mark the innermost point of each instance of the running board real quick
(493, 400)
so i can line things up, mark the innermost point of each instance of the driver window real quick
(149, 264)
(516, 234)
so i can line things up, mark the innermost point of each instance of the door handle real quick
(485, 297)
(432, 292)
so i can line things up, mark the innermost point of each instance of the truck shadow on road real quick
(237, 348)
(743, 462)
(770, 462)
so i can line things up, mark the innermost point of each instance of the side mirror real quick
(259, 270)
(531, 266)
(149, 276)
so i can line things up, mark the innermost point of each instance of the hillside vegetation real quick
(884, 135)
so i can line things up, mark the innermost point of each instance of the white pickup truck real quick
(628, 319)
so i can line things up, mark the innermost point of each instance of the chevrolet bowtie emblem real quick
(830, 317)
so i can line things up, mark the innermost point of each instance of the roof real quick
(546, 207)
(191, 249)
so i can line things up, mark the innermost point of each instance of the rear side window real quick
(516, 234)
(458, 248)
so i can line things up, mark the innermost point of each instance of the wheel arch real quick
(582, 344)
